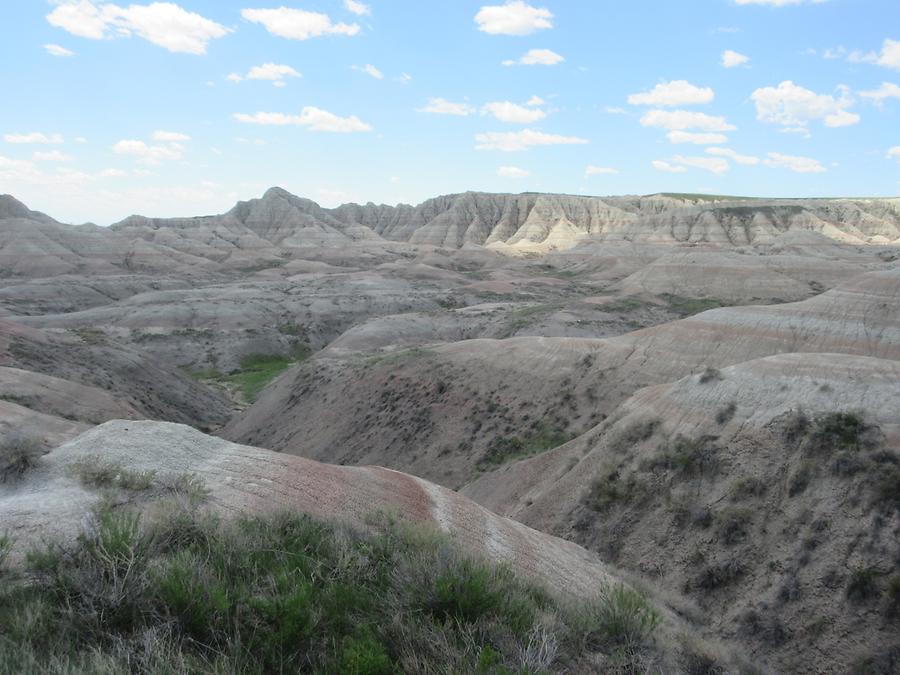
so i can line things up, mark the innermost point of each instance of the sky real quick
(168, 109)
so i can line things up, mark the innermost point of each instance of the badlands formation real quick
(696, 395)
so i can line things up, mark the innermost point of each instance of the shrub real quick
(636, 432)
(710, 375)
(892, 598)
(886, 492)
(794, 426)
(5, 547)
(863, 584)
(718, 575)
(610, 489)
(623, 619)
(725, 414)
(17, 455)
(748, 487)
(98, 473)
(688, 457)
(842, 431)
(734, 526)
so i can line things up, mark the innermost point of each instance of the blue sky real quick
(183, 108)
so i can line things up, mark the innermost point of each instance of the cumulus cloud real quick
(681, 120)
(162, 23)
(314, 119)
(369, 69)
(56, 50)
(149, 154)
(358, 8)
(885, 91)
(52, 156)
(674, 93)
(512, 141)
(791, 105)
(269, 72)
(889, 56)
(512, 172)
(441, 106)
(894, 152)
(535, 100)
(661, 165)
(796, 164)
(170, 137)
(34, 137)
(536, 57)
(298, 24)
(507, 111)
(591, 170)
(732, 59)
(716, 165)
(698, 138)
(513, 18)
(746, 160)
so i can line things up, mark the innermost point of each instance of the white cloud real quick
(536, 57)
(660, 165)
(535, 100)
(889, 56)
(514, 18)
(676, 92)
(315, 119)
(331, 198)
(613, 110)
(357, 8)
(369, 69)
(269, 72)
(34, 137)
(779, 3)
(794, 106)
(162, 23)
(716, 165)
(404, 78)
(732, 59)
(170, 137)
(52, 156)
(81, 139)
(298, 24)
(746, 160)
(680, 120)
(511, 141)
(894, 152)
(56, 50)
(512, 172)
(701, 138)
(591, 170)
(440, 106)
(507, 111)
(795, 164)
(149, 154)
(886, 90)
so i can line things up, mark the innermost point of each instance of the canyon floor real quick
(695, 396)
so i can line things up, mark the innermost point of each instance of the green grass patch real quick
(508, 448)
(256, 372)
(284, 593)
(690, 306)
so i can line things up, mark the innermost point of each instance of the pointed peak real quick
(10, 207)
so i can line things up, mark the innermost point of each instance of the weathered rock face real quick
(716, 485)
(437, 411)
(279, 227)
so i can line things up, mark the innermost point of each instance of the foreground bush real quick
(185, 593)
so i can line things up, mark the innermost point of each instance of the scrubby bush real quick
(710, 375)
(863, 584)
(726, 413)
(842, 431)
(687, 457)
(610, 489)
(636, 432)
(98, 473)
(285, 593)
(18, 454)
